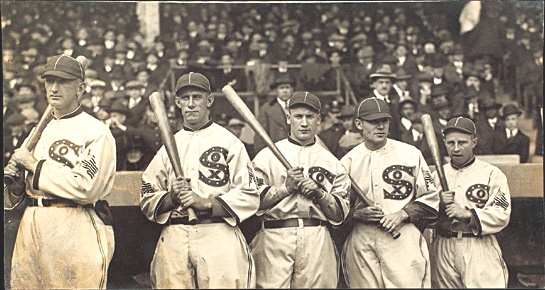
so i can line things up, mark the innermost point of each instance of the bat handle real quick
(395, 234)
(191, 216)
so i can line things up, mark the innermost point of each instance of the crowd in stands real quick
(410, 54)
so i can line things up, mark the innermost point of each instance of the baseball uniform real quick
(206, 255)
(302, 255)
(61, 242)
(395, 177)
(474, 259)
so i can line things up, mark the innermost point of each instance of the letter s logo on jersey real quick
(215, 159)
(322, 176)
(398, 177)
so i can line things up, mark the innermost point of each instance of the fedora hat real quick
(282, 79)
(510, 109)
(384, 71)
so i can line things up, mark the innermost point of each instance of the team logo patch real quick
(478, 193)
(146, 187)
(322, 176)
(428, 180)
(397, 177)
(215, 159)
(501, 201)
(63, 151)
(90, 165)
(251, 175)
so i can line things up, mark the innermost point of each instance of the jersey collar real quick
(293, 141)
(76, 112)
(208, 124)
(471, 161)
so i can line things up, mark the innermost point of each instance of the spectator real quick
(342, 136)
(382, 81)
(226, 75)
(272, 115)
(488, 127)
(403, 84)
(511, 139)
(15, 135)
(235, 126)
(137, 102)
(118, 114)
(406, 114)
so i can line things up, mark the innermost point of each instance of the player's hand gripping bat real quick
(436, 155)
(158, 107)
(245, 113)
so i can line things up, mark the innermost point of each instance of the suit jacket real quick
(331, 137)
(273, 119)
(487, 136)
(137, 112)
(519, 144)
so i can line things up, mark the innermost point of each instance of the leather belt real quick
(202, 220)
(41, 202)
(292, 223)
(449, 234)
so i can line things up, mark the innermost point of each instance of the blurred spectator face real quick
(347, 122)
(407, 111)
(98, 91)
(383, 85)
(438, 71)
(133, 93)
(491, 113)
(143, 76)
(82, 34)
(17, 130)
(159, 46)
(109, 35)
(284, 91)
(402, 84)
(120, 117)
(424, 89)
(511, 121)
(152, 59)
(473, 81)
(401, 50)
(335, 59)
(429, 48)
(444, 113)
(226, 60)
(102, 114)
(236, 129)
(121, 37)
(67, 43)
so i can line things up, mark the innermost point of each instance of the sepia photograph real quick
(273, 144)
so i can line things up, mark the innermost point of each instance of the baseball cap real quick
(64, 66)
(193, 79)
(460, 124)
(305, 98)
(372, 109)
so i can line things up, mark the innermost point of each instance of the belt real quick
(41, 202)
(292, 223)
(202, 220)
(449, 234)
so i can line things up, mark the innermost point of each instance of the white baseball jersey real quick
(395, 177)
(66, 247)
(218, 166)
(298, 257)
(474, 262)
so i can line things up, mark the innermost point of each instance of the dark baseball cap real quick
(460, 124)
(64, 66)
(193, 79)
(372, 109)
(305, 98)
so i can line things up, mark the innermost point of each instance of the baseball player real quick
(396, 177)
(294, 247)
(467, 254)
(219, 185)
(62, 242)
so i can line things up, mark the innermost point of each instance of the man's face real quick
(375, 132)
(511, 121)
(460, 147)
(120, 117)
(491, 112)
(235, 129)
(284, 91)
(407, 111)
(62, 94)
(383, 85)
(195, 106)
(347, 122)
(473, 81)
(142, 76)
(438, 72)
(304, 124)
(444, 113)
(133, 93)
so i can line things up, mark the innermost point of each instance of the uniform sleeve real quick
(155, 180)
(423, 210)
(86, 181)
(341, 193)
(242, 199)
(496, 213)
(263, 178)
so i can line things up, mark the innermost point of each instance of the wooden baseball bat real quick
(158, 107)
(34, 137)
(435, 153)
(247, 115)
(395, 234)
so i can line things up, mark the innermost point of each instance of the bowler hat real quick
(347, 111)
(372, 109)
(193, 79)
(282, 79)
(439, 90)
(119, 106)
(64, 66)
(384, 71)
(510, 109)
(306, 99)
(460, 124)
(402, 74)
